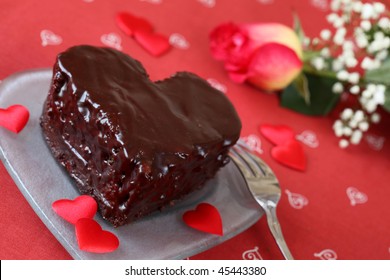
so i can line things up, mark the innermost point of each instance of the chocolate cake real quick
(133, 144)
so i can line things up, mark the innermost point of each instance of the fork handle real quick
(276, 231)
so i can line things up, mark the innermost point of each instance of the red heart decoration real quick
(14, 118)
(129, 24)
(92, 238)
(156, 44)
(83, 206)
(277, 134)
(205, 218)
(290, 154)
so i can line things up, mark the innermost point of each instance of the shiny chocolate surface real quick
(133, 144)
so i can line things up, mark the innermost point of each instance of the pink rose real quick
(267, 55)
(230, 43)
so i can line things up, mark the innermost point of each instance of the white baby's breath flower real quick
(358, 116)
(371, 87)
(356, 137)
(367, 11)
(379, 35)
(361, 41)
(337, 124)
(371, 106)
(351, 62)
(346, 114)
(315, 41)
(363, 126)
(384, 23)
(343, 143)
(365, 25)
(357, 6)
(386, 43)
(353, 123)
(382, 55)
(347, 131)
(338, 131)
(335, 5)
(332, 17)
(354, 89)
(379, 8)
(337, 87)
(348, 45)
(342, 75)
(318, 63)
(369, 63)
(379, 95)
(306, 41)
(366, 94)
(337, 65)
(375, 118)
(325, 52)
(325, 34)
(338, 22)
(354, 77)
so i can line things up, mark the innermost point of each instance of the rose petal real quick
(263, 33)
(273, 67)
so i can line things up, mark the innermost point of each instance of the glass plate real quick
(160, 236)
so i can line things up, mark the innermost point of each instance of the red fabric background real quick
(327, 222)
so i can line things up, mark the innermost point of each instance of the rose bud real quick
(267, 55)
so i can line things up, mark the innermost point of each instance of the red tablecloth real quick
(338, 208)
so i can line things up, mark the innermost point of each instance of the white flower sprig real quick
(357, 41)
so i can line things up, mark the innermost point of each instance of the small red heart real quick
(14, 118)
(83, 206)
(156, 44)
(290, 154)
(205, 218)
(277, 134)
(129, 24)
(92, 238)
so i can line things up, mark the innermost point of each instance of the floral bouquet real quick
(350, 59)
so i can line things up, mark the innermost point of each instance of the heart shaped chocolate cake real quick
(133, 144)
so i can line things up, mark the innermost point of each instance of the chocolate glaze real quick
(133, 144)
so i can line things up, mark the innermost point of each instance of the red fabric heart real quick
(14, 118)
(91, 237)
(277, 134)
(129, 24)
(83, 206)
(205, 218)
(156, 44)
(290, 154)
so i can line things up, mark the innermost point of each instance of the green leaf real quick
(386, 106)
(380, 75)
(322, 99)
(301, 85)
(309, 55)
(298, 28)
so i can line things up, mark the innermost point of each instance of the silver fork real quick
(264, 187)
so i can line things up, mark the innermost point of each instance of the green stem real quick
(332, 75)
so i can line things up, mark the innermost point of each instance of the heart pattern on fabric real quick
(290, 154)
(92, 238)
(355, 196)
(83, 206)
(204, 218)
(14, 118)
(112, 40)
(50, 38)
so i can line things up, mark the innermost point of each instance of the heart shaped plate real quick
(162, 235)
